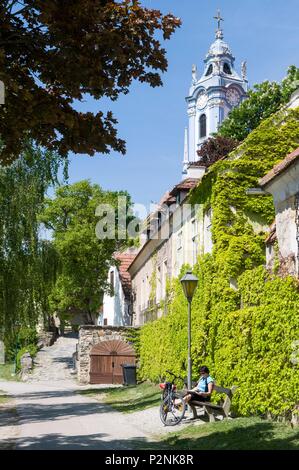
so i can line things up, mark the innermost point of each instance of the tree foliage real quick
(263, 100)
(57, 51)
(84, 259)
(27, 264)
(215, 148)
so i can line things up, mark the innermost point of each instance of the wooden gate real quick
(106, 359)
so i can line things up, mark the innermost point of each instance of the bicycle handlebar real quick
(171, 373)
(175, 376)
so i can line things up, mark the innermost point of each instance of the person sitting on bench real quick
(203, 389)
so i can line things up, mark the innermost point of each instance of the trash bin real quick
(129, 374)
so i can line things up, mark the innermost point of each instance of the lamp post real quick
(189, 283)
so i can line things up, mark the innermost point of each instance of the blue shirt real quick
(203, 383)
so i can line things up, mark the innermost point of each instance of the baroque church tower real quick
(211, 97)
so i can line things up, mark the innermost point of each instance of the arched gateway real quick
(106, 359)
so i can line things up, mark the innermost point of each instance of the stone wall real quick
(46, 338)
(89, 336)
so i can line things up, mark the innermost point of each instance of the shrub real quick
(31, 349)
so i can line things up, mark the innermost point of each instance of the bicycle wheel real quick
(172, 410)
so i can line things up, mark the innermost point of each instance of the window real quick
(159, 219)
(210, 70)
(159, 285)
(105, 321)
(202, 126)
(179, 241)
(112, 282)
(194, 233)
(179, 253)
(164, 278)
(143, 295)
(208, 244)
(227, 69)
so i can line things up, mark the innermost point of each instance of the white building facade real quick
(283, 183)
(117, 304)
(212, 96)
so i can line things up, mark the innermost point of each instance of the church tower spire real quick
(186, 154)
(212, 96)
(219, 32)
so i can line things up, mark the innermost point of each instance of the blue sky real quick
(152, 120)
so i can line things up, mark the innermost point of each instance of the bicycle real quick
(173, 407)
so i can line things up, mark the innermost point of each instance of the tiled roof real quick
(166, 199)
(279, 168)
(125, 259)
(184, 185)
(169, 197)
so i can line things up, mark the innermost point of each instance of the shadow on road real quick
(34, 413)
(79, 442)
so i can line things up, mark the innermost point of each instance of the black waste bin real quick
(129, 374)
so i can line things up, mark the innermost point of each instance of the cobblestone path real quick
(55, 363)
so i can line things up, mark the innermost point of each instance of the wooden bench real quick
(212, 409)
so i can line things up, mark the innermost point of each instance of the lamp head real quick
(189, 283)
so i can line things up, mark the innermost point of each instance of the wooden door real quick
(101, 370)
(106, 359)
(117, 367)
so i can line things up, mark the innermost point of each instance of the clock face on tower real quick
(233, 96)
(202, 100)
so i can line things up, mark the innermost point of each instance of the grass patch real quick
(6, 371)
(235, 434)
(128, 399)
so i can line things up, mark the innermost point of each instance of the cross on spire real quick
(219, 19)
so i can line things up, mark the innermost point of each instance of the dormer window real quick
(227, 69)
(210, 70)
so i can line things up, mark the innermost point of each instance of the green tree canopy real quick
(84, 259)
(56, 51)
(263, 100)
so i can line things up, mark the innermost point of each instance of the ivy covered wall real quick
(245, 321)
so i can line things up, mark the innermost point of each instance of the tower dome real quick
(219, 47)
(212, 96)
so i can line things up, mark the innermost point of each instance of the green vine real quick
(243, 334)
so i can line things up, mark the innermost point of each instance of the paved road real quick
(52, 414)
(58, 417)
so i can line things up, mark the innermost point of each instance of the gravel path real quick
(58, 417)
(48, 411)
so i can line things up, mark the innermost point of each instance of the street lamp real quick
(189, 283)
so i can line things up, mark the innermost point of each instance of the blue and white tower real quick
(212, 96)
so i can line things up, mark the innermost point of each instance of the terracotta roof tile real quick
(166, 199)
(184, 185)
(125, 259)
(279, 168)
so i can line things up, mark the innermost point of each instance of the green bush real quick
(31, 349)
(27, 335)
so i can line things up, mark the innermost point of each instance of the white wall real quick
(284, 189)
(115, 307)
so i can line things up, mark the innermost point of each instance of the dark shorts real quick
(196, 397)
